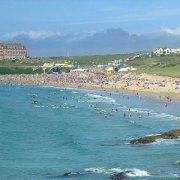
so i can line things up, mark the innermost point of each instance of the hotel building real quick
(12, 51)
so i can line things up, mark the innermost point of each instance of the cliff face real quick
(173, 134)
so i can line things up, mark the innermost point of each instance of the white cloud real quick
(79, 36)
(35, 35)
(110, 41)
(175, 31)
(40, 35)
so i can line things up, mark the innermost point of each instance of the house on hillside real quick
(175, 51)
(162, 51)
(130, 58)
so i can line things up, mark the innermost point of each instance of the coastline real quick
(152, 85)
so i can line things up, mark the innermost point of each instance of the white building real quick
(175, 51)
(162, 51)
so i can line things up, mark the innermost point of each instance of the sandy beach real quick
(162, 86)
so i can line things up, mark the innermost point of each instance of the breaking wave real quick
(167, 141)
(131, 172)
(99, 98)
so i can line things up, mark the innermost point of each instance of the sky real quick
(43, 19)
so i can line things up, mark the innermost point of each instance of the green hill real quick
(164, 65)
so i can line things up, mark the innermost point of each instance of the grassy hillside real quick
(27, 66)
(98, 59)
(164, 65)
(81, 60)
(20, 70)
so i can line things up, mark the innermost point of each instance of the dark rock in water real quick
(67, 174)
(143, 140)
(120, 175)
(63, 175)
(178, 163)
(173, 134)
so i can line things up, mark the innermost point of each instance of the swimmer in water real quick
(139, 115)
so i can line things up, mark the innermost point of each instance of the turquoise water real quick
(47, 131)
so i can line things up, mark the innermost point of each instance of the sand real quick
(167, 87)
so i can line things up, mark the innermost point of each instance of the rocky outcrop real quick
(67, 174)
(173, 134)
(120, 175)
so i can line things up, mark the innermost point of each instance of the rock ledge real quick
(173, 134)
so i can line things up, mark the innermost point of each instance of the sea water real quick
(48, 131)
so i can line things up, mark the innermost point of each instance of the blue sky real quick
(63, 16)
(77, 20)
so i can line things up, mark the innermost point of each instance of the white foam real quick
(109, 99)
(133, 172)
(149, 135)
(94, 95)
(139, 110)
(74, 92)
(54, 87)
(148, 111)
(167, 141)
(175, 175)
(103, 170)
(145, 111)
(99, 98)
(123, 107)
(95, 170)
(115, 170)
(165, 115)
(142, 110)
(137, 173)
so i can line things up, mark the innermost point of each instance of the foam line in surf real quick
(131, 172)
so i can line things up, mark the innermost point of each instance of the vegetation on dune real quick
(16, 70)
(163, 65)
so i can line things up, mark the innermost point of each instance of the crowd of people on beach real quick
(116, 82)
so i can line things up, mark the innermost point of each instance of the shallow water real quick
(46, 132)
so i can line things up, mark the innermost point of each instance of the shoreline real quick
(144, 84)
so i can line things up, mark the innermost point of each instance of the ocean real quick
(46, 132)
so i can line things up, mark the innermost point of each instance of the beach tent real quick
(123, 70)
(79, 70)
(109, 69)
